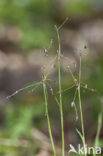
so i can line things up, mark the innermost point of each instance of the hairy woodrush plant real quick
(77, 83)
(60, 85)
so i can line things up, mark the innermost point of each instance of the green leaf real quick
(81, 136)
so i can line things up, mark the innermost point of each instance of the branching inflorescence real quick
(77, 83)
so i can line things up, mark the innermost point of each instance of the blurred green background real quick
(26, 29)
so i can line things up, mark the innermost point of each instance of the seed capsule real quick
(72, 104)
(85, 86)
(76, 117)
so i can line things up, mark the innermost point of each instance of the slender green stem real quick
(48, 119)
(60, 93)
(75, 105)
(80, 106)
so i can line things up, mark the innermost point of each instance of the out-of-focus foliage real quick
(33, 19)
(20, 119)
(79, 8)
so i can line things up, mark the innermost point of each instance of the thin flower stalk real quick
(60, 92)
(80, 106)
(47, 114)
